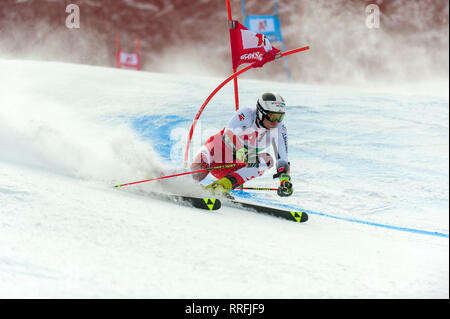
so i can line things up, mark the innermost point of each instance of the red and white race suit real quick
(245, 134)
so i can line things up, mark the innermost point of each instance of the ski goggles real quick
(272, 117)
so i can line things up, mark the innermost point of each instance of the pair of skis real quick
(212, 204)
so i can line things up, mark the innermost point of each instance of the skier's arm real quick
(283, 169)
(280, 145)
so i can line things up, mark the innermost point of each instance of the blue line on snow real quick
(160, 137)
(405, 229)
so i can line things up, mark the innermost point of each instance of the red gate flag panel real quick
(250, 47)
(126, 60)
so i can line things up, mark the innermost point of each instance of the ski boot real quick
(221, 187)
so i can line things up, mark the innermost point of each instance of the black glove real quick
(285, 189)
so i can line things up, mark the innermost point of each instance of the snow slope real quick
(371, 168)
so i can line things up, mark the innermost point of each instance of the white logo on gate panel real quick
(252, 56)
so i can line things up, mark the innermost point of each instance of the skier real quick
(242, 141)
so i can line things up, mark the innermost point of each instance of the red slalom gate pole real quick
(235, 83)
(295, 51)
(180, 174)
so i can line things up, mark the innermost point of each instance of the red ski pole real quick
(186, 173)
(258, 188)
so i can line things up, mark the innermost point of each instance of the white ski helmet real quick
(270, 105)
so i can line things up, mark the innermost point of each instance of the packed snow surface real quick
(371, 168)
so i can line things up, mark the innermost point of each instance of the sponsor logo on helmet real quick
(252, 56)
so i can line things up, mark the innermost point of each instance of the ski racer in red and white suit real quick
(243, 141)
